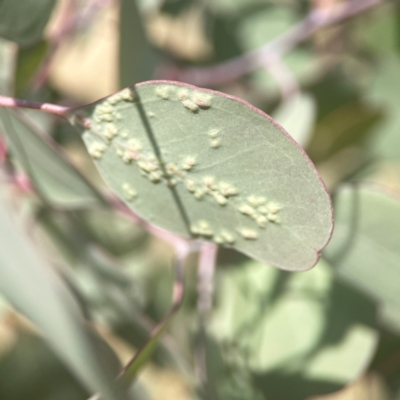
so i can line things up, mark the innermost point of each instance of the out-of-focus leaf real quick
(218, 168)
(28, 62)
(296, 333)
(297, 116)
(23, 21)
(365, 245)
(378, 31)
(137, 58)
(7, 60)
(30, 370)
(56, 179)
(370, 386)
(383, 94)
(36, 291)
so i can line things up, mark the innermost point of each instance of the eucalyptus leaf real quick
(55, 178)
(203, 164)
(7, 61)
(365, 247)
(383, 94)
(137, 58)
(28, 62)
(293, 332)
(23, 21)
(36, 291)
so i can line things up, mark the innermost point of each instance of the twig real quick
(284, 78)
(10, 102)
(206, 270)
(270, 52)
(208, 254)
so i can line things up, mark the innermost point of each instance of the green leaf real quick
(7, 56)
(55, 178)
(137, 58)
(365, 247)
(28, 62)
(383, 94)
(207, 165)
(297, 116)
(23, 21)
(298, 334)
(36, 291)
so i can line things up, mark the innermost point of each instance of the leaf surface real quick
(365, 245)
(211, 166)
(23, 21)
(56, 179)
(294, 332)
(36, 291)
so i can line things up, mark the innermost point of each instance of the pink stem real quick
(272, 51)
(10, 102)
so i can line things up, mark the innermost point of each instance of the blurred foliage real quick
(94, 282)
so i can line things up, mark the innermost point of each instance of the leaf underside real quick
(203, 164)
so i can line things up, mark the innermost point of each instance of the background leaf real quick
(56, 179)
(294, 332)
(138, 59)
(365, 248)
(37, 292)
(23, 21)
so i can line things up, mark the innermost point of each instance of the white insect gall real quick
(183, 94)
(172, 168)
(127, 157)
(163, 92)
(213, 133)
(107, 118)
(228, 237)
(190, 185)
(96, 150)
(209, 181)
(135, 145)
(113, 100)
(188, 163)
(262, 221)
(256, 200)
(274, 207)
(215, 143)
(227, 189)
(199, 194)
(273, 218)
(129, 192)
(263, 210)
(247, 210)
(127, 95)
(190, 105)
(202, 228)
(219, 240)
(155, 176)
(248, 234)
(125, 133)
(203, 100)
(150, 114)
(221, 200)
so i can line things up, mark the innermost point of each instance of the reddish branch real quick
(10, 102)
(274, 50)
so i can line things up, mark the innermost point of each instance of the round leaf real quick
(207, 165)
